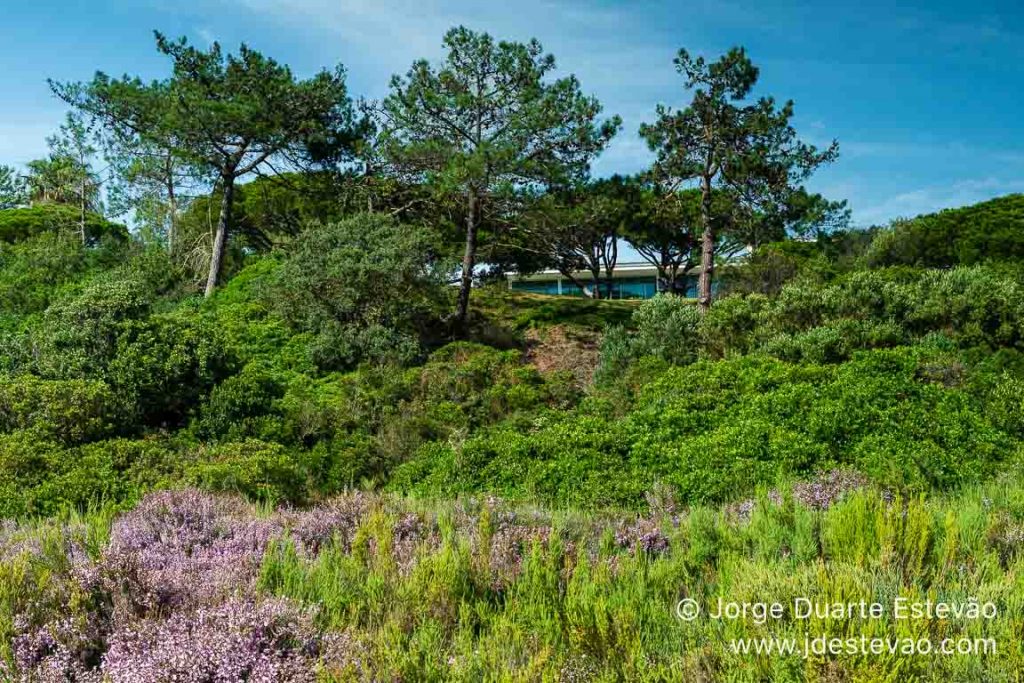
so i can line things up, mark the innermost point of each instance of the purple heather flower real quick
(644, 534)
(337, 519)
(260, 642)
(184, 548)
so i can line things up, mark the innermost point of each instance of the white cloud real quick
(936, 197)
(941, 152)
(206, 35)
(593, 42)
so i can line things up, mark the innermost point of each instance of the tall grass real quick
(581, 608)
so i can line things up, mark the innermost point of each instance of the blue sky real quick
(925, 98)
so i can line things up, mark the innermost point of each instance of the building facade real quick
(629, 281)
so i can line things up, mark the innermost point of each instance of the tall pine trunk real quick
(172, 228)
(172, 205)
(81, 225)
(221, 236)
(707, 249)
(468, 261)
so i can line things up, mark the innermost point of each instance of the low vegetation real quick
(365, 587)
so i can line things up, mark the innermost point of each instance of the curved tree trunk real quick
(707, 249)
(82, 217)
(468, 262)
(221, 236)
(172, 204)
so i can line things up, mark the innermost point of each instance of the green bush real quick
(105, 473)
(70, 411)
(486, 384)
(716, 430)
(665, 327)
(33, 271)
(771, 266)
(568, 460)
(257, 469)
(164, 366)
(734, 458)
(728, 327)
(365, 287)
(26, 461)
(1005, 405)
(78, 334)
(970, 306)
(835, 341)
(39, 477)
(235, 406)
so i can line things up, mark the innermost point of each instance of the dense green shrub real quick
(256, 469)
(729, 326)
(971, 306)
(982, 306)
(70, 411)
(33, 271)
(26, 459)
(733, 458)
(164, 366)
(248, 328)
(39, 476)
(665, 327)
(365, 287)
(716, 430)
(564, 459)
(235, 406)
(834, 341)
(78, 334)
(487, 384)
(116, 472)
(1005, 405)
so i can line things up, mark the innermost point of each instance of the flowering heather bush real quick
(828, 487)
(642, 535)
(263, 642)
(1005, 536)
(501, 537)
(13, 539)
(336, 520)
(64, 650)
(195, 557)
(819, 493)
(409, 533)
(661, 501)
(509, 544)
(183, 548)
